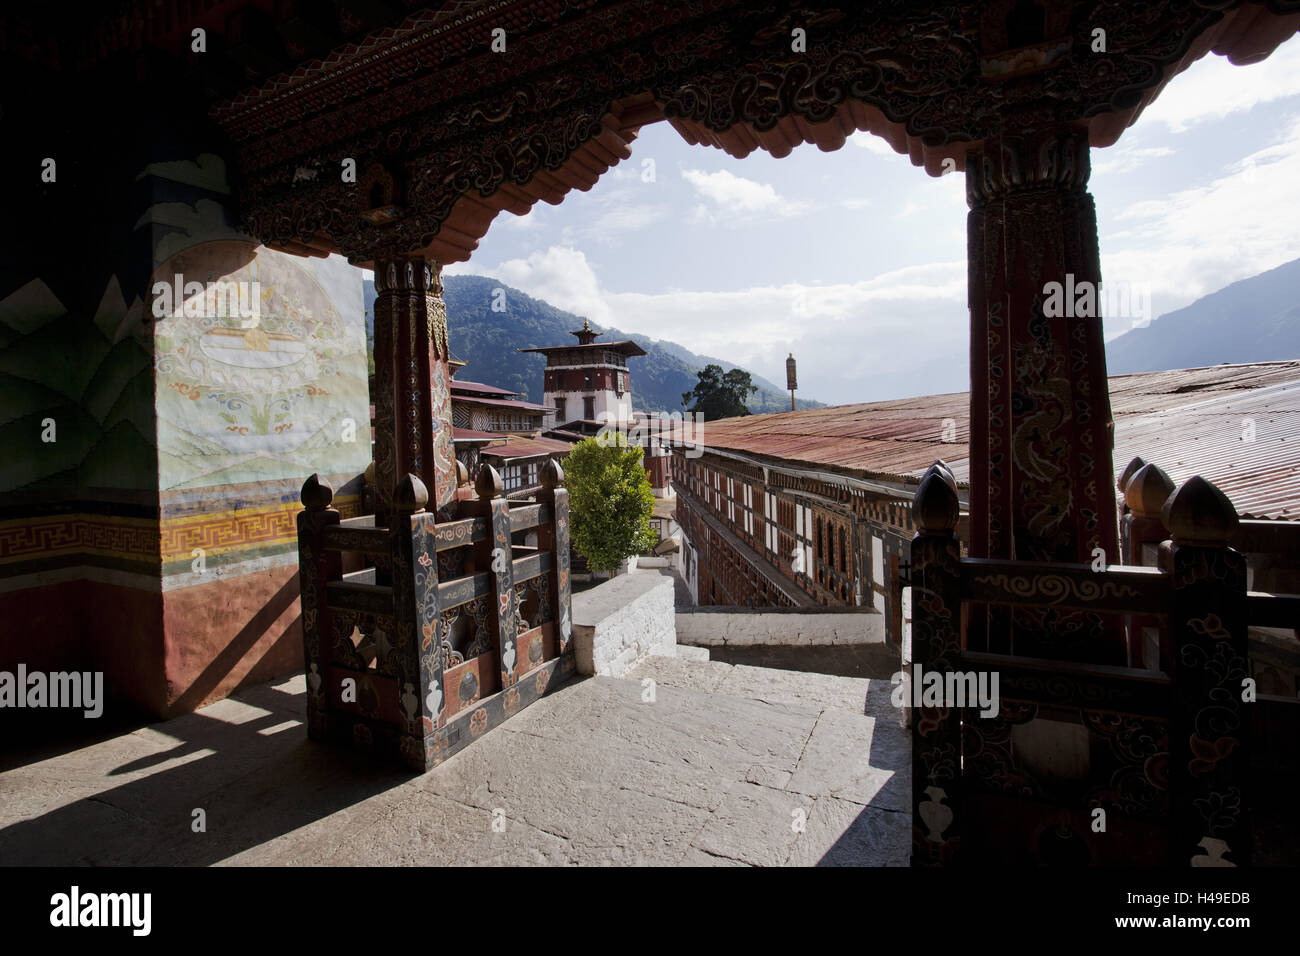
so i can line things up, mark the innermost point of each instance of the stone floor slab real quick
(857, 758)
(595, 773)
(843, 833)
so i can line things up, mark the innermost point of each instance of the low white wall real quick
(747, 629)
(618, 624)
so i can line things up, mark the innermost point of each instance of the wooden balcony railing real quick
(450, 630)
(1091, 763)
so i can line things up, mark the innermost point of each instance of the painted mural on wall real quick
(75, 405)
(260, 360)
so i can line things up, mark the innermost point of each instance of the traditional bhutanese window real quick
(803, 529)
(749, 510)
(731, 500)
(769, 515)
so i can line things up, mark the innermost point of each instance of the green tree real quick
(610, 500)
(718, 394)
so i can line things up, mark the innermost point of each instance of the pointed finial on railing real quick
(488, 485)
(552, 475)
(316, 494)
(935, 508)
(1147, 490)
(1129, 471)
(941, 466)
(462, 474)
(1200, 514)
(410, 495)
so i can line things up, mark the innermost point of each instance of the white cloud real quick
(1122, 158)
(627, 217)
(1215, 89)
(725, 192)
(1196, 241)
(848, 335)
(525, 223)
(873, 143)
(562, 276)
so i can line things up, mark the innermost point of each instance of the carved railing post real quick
(316, 567)
(1145, 494)
(554, 538)
(1209, 728)
(936, 646)
(1121, 506)
(415, 600)
(495, 554)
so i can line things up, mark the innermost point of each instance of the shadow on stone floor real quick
(840, 660)
(881, 823)
(247, 766)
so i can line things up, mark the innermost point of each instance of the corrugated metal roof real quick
(503, 402)
(479, 388)
(1189, 422)
(526, 448)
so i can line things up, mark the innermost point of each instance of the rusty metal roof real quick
(500, 402)
(517, 447)
(1189, 422)
(478, 388)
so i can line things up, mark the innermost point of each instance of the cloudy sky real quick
(855, 260)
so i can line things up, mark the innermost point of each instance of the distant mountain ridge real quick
(1252, 320)
(487, 342)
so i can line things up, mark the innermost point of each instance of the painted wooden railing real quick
(1085, 762)
(450, 630)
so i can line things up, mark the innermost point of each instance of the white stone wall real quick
(722, 629)
(618, 624)
(686, 569)
(607, 404)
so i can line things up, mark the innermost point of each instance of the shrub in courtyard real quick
(610, 500)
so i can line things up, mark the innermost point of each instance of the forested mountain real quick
(487, 341)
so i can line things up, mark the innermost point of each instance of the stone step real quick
(800, 690)
(848, 784)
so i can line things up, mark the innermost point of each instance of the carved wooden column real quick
(412, 382)
(1209, 731)
(1041, 472)
(317, 566)
(936, 646)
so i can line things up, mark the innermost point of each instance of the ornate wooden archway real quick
(444, 133)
